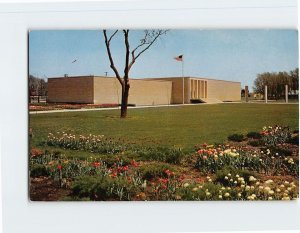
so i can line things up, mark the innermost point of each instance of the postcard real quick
(163, 115)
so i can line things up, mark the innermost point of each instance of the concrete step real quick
(210, 100)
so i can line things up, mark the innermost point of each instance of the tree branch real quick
(145, 41)
(112, 65)
(112, 35)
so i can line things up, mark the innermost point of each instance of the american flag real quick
(179, 58)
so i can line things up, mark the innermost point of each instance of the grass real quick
(183, 126)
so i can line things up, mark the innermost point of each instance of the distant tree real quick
(294, 74)
(36, 86)
(131, 56)
(276, 83)
(243, 92)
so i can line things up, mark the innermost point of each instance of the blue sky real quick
(237, 55)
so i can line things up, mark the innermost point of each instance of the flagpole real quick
(182, 70)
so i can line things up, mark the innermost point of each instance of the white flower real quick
(286, 183)
(223, 188)
(226, 177)
(271, 192)
(237, 176)
(209, 180)
(269, 181)
(252, 178)
(195, 189)
(267, 189)
(239, 194)
(278, 190)
(270, 198)
(226, 194)
(220, 197)
(186, 185)
(228, 174)
(207, 193)
(144, 185)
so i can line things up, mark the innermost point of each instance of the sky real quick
(235, 55)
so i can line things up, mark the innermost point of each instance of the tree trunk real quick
(124, 102)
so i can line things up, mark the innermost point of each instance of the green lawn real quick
(182, 126)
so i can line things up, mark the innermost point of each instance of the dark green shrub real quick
(103, 188)
(163, 154)
(110, 160)
(151, 171)
(38, 170)
(255, 143)
(221, 174)
(254, 135)
(294, 139)
(275, 135)
(281, 151)
(189, 195)
(236, 137)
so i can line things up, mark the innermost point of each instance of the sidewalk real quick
(147, 106)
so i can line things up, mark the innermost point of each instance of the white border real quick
(21, 215)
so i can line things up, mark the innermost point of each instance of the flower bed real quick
(212, 172)
(48, 107)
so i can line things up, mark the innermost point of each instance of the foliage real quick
(236, 137)
(276, 83)
(156, 170)
(108, 146)
(254, 135)
(37, 170)
(37, 86)
(255, 143)
(104, 188)
(236, 172)
(210, 160)
(163, 154)
(226, 175)
(92, 143)
(274, 135)
(294, 139)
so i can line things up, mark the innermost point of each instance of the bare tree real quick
(150, 36)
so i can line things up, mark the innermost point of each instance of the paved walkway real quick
(137, 107)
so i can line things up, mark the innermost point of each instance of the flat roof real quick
(147, 79)
(202, 78)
